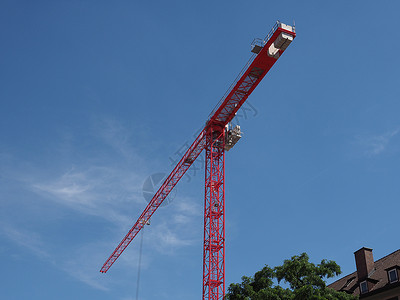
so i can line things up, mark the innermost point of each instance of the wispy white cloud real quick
(168, 240)
(81, 262)
(373, 145)
(84, 264)
(181, 219)
(189, 206)
(117, 136)
(99, 191)
(185, 210)
(180, 229)
(87, 192)
(31, 241)
(108, 189)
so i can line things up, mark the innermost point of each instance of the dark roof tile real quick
(378, 276)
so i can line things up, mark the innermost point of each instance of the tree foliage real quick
(305, 281)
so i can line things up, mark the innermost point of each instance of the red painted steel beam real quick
(259, 65)
(214, 216)
(183, 165)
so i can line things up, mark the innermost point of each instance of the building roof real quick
(378, 276)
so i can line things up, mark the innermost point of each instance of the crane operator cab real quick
(232, 136)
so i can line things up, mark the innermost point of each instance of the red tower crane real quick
(215, 138)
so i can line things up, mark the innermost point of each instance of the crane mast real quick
(214, 140)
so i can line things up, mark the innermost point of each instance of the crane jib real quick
(266, 52)
(259, 65)
(184, 164)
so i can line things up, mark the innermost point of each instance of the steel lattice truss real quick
(211, 138)
(186, 161)
(214, 216)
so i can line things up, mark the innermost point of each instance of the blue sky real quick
(97, 95)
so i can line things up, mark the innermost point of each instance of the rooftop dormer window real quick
(350, 280)
(393, 276)
(363, 287)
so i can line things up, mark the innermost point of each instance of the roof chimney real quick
(364, 262)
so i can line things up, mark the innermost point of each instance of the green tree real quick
(305, 282)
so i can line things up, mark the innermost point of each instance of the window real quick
(363, 287)
(393, 275)
(350, 280)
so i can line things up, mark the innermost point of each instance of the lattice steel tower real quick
(216, 138)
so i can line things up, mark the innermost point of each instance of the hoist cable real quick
(139, 265)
